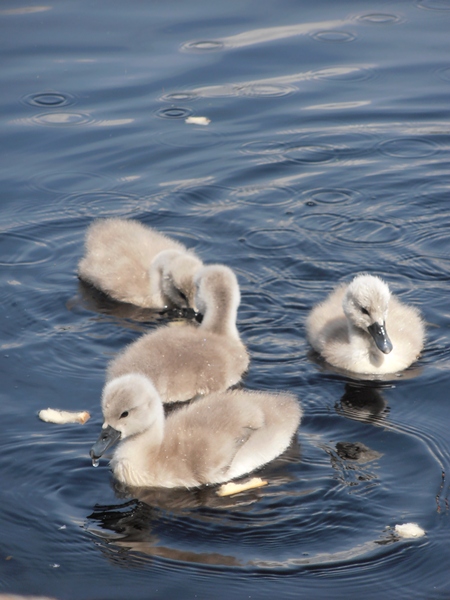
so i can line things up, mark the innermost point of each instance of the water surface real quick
(327, 154)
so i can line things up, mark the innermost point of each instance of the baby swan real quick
(133, 263)
(184, 362)
(362, 328)
(218, 438)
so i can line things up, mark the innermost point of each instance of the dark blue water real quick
(327, 154)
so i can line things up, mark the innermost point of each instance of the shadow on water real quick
(93, 300)
(160, 522)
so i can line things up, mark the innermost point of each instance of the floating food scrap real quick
(197, 121)
(228, 489)
(54, 415)
(409, 530)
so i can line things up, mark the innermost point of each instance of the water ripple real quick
(188, 137)
(202, 46)
(71, 182)
(331, 196)
(272, 239)
(178, 97)
(344, 73)
(49, 99)
(367, 231)
(271, 195)
(334, 36)
(19, 249)
(61, 119)
(439, 5)
(380, 18)
(409, 147)
(323, 222)
(100, 204)
(173, 113)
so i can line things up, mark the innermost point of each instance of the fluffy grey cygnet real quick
(363, 328)
(133, 263)
(213, 440)
(184, 362)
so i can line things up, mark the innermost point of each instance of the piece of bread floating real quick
(228, 489)
(54, 415)
(409, 530)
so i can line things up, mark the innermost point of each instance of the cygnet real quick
(362, 328)
(218, 438)
(133, 263)
(184, 362)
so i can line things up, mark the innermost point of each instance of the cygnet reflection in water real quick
(94, 300)
(135, 528)
(363, 403)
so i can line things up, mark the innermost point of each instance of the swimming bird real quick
(184, 362)
(220, 437)
(133, 263)
(362, 328)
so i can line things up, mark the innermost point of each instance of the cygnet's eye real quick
(364, 311)
(124, 414)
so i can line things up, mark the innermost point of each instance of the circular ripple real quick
(303, 152)
(434, 4)
(344, 74)
(367, 231)
(179, 97)
(409, 148)
(332, 195)
(323, 223)
(100, 204)
(71, 182)
(174, 112)
(262, 147)
(61, 119)
(379, 18)
(17, 249)
(48, 99)
(188, 137)
(266, 196)
(435, 190)
(261, 90)
(272, 239)
(444, 73)
(333, 36)
(345, 145)
(202, 46)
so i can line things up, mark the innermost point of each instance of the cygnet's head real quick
(130, 405)
(366, 305)
(217, 288)
(177, 276)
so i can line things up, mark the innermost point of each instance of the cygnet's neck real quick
(221, 313)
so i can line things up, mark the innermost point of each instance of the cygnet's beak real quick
(107, 438)
(380, 337)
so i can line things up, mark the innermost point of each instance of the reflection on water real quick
(363, 403)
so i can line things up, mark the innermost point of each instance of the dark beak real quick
(108, 437)
(380, 337)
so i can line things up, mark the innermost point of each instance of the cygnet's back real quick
(362, 328)
(131, 263)
(184, 362)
